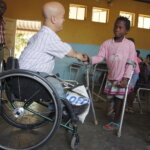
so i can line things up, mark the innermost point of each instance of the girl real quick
(117, 51)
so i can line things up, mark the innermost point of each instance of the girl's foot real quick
(111, 126)
(129, 110)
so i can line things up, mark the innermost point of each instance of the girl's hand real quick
(82, 57)
(123, 82)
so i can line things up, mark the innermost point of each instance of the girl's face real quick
(120, 29)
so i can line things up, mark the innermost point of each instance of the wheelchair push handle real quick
(9, 50)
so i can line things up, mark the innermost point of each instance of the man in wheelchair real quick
(43, 47)
(32, 92)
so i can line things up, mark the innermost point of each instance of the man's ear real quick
(53, 19)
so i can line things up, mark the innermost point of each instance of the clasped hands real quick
(83, 57)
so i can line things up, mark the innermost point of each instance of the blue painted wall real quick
(62, 65)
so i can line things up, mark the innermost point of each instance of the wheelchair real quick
(33, 110)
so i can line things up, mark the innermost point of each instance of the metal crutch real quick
(125, 98)
(88, 90)
(93, 84)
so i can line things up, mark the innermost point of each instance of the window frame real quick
(107, 14)
(24, 30)
(78, 6)
(133, 17)
(144, 16)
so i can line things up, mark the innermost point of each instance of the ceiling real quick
(146, 1)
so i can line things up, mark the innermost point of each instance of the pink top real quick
(116, 55)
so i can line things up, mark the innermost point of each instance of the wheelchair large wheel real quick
(27, 102)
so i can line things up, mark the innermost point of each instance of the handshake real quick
(83, 57)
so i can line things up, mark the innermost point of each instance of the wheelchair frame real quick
(18, 112)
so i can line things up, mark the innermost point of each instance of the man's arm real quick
(79, 56)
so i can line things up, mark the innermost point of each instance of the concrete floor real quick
(94, 137)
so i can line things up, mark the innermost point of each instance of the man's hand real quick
(82, 57)
(123, 82)
(79, 56)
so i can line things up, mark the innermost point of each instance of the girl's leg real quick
(129, 107)
(110, 108)
(118, 109)
(110, 105)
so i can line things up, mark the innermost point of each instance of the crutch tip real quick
(118, 134)
(96, 122)
(141, 112)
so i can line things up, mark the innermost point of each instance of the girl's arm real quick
(131, 57)
(101, 54)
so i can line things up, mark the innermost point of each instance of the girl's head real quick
(121, 27)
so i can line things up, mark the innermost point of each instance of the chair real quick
(32, 106)
(142, 86)
(102, 69)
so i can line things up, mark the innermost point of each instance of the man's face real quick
(2, 8)
(120, 29)
(60, 20)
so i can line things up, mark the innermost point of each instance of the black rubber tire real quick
(75, 141)
(56, 102)
(4, 114)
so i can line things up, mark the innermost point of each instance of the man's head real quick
(53, 13)
(3, 7)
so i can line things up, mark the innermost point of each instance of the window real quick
(25, 29)
(100, 15)
(144, 21)
(77, 12)
(130, 16)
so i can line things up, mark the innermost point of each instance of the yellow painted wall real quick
(86, 32)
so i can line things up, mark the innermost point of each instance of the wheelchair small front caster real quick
(75, 141)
